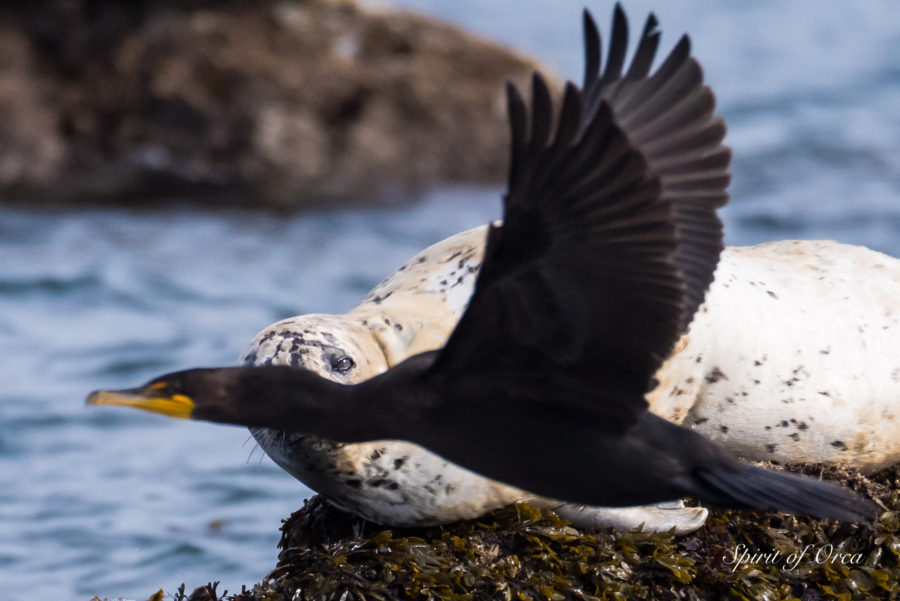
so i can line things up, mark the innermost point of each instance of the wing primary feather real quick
(517, 124)
(569, 117)
(541, 114)
(618, 43)
(592, 50)
(643, 56)
(548, 175)
(676, 58)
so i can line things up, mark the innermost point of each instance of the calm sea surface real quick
(117, 503)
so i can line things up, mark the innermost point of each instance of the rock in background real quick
(290, 104)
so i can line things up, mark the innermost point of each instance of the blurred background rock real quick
(244, 103)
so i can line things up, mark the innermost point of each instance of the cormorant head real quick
(248, 396)
(178, 394)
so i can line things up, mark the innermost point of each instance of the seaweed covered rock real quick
(521, 552)
(282, 103)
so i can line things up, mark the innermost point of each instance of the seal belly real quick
(390, 482)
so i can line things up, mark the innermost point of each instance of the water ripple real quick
(118, 504)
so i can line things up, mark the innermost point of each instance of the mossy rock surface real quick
(523, 553)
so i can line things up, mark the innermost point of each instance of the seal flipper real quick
(657, 517)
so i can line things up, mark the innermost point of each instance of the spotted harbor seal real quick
(780, 364)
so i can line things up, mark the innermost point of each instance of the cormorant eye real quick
(342, 364)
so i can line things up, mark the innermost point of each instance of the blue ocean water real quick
(117, 503)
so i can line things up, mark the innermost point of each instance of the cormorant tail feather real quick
(753, 487)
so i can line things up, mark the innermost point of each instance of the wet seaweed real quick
(524, 553)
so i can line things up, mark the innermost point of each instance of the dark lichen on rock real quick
(522, 552)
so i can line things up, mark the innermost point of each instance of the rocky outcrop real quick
(521, 552)
(251, 103)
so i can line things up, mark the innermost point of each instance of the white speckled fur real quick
(794, 356)
(789, 360)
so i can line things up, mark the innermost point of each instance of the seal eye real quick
(342, 364)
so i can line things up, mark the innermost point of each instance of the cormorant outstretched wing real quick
(610, 234)
(669, 118)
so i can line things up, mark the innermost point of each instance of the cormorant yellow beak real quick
(147, 398)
